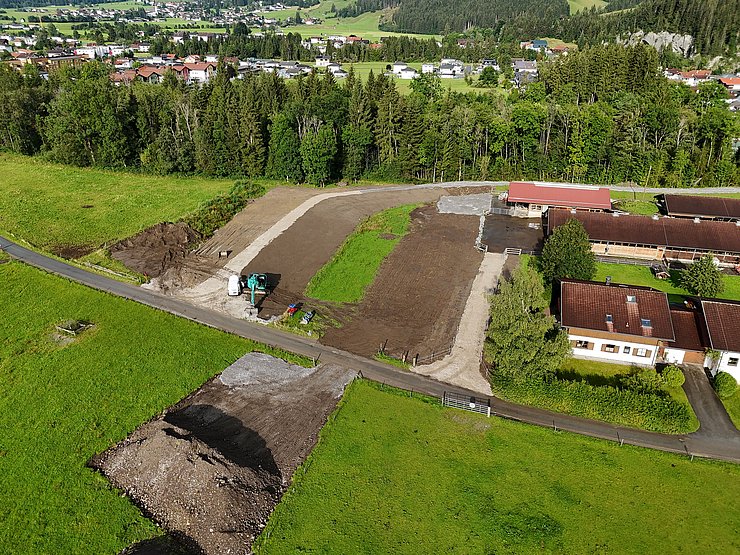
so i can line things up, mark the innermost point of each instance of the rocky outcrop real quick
(680, 44)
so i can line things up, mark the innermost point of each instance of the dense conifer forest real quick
(604, 114)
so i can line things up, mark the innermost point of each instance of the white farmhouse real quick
(615, 323)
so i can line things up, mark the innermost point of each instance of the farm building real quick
(699, 206)
(654, 238)
(531, 200)
(615, 323)
(722, 320)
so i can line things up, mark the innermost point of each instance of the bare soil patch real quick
(215, 465)
(256, 218)
(501, 232)
(71, 252)
(419, 294)
(156, 248)
(292, 259)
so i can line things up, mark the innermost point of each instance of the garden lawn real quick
(60, 405)
(44, 203)
(605, 373)
(642, 275)
(352, 269)
(393, 474)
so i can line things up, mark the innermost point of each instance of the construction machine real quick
(256, 283)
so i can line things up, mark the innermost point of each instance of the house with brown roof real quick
(722, 320)
(654, 237)
(690, 344)
(615, 323)
(699, 206)
(531, 200)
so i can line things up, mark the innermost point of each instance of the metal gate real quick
(466, 402)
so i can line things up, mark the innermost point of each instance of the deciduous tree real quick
(567, 253)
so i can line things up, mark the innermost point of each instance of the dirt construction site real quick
(413, 306)
(213, 467)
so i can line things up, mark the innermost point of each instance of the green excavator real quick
(256, 283)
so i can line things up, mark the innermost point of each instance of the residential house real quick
(732, 84)
(689, 346)
(722, 319)
(397, 67)
(200, 72)
(408, 73)
(323, 61)
(615, 323)
(428, 68)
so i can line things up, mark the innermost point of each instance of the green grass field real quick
(641, 275)
(362, 70)
(353, 267)
(578, 5)
(60, 405)
(364, 25)
(45, 203)
(393, 474)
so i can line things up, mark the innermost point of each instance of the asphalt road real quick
(713, 445)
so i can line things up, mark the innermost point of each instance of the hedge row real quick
(649, 411)
(220, 209)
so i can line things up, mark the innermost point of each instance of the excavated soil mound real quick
(415, 303)
(214, 466)
(156, 248)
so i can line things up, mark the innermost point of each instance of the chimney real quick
(697, 220)
(608, 280)
(609, 323)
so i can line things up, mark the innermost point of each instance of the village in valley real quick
(360, 276)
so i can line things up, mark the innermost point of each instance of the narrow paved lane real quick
(714, 420)
(699, 443)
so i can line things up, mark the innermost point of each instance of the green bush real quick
(725, 385)
(644, 381)
(672, 376)
(220, 209)
(625, 407)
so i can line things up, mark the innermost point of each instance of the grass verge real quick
(393, 474)
(352, 269)
(393, 361)
(62, 403)
(732, 406)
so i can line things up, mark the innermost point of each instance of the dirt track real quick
(212, 469)
(256, 218)
(420, 292)
(293, 258)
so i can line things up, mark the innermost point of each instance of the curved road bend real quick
(699, 444)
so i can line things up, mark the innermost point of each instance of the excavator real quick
(256, 283)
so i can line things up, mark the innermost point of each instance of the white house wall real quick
(619, 357)
(724, 364)
(673, 356)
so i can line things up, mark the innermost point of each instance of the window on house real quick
(631, 299)
(642, 352)
(645, 323)
(733, 361)
(627, 350)
(580, 344)
(609, 319)
(610, 348)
